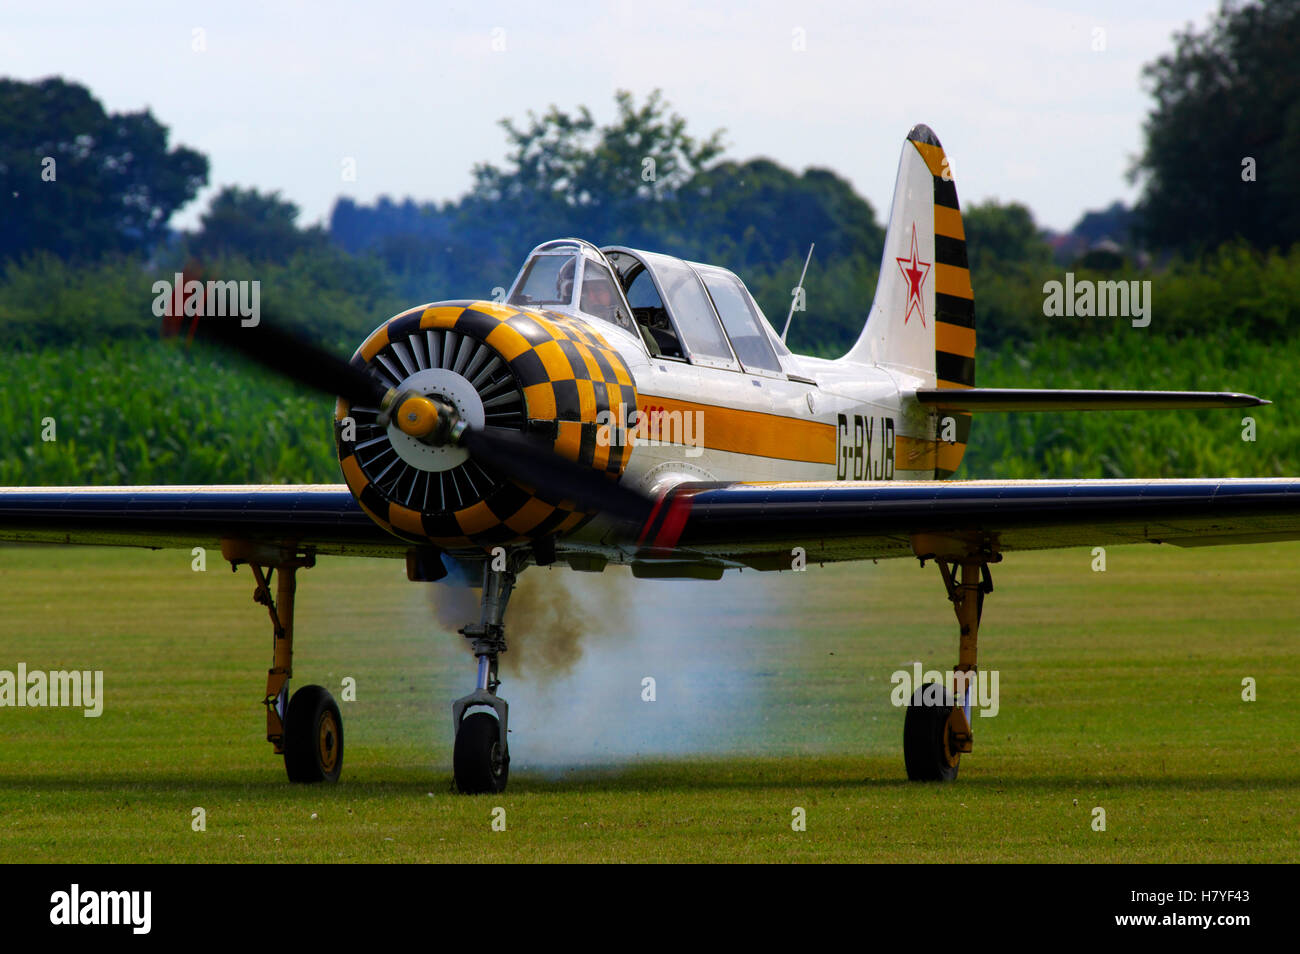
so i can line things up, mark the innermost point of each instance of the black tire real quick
(926, 749)
(313, 737)
(480, 762)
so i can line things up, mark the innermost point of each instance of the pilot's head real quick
(597, 292)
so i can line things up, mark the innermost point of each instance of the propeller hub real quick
(420, 416)
(439, 399)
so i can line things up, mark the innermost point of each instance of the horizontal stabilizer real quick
(1044, 399)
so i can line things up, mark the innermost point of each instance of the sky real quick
(1037, 103)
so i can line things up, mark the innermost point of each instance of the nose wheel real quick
(481, 764)
(481, 720)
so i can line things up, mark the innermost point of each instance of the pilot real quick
(598, 299)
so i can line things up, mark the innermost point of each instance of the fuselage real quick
(824, 420)
(647, 369)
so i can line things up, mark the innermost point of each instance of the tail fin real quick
(922, 321)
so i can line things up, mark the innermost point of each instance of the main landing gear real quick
(937, 728)
(480, 720)
(307, 729)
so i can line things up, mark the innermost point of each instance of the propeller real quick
(515, 454)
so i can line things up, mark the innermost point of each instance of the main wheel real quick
(480, 761)
(313, 737)
(927, 746)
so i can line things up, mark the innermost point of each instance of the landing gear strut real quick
(307, 729)
(937, 728)
(481, 760)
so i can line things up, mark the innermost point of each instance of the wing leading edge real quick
(758, 524)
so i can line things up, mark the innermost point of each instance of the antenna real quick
(798, 288)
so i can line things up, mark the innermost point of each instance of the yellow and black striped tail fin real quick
(954, 300)
(922, 319)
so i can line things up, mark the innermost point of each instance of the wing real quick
(753, 524)
(758, 524)
(324, 517)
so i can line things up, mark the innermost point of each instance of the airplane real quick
(622, 406)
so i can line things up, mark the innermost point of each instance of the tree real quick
(1221, 141)
(361, 228)
(1009, 261)
(642, 181)
(1002, 234)
(255, 225)
(81, 183)
(1115, 222)
(567, 175)
(759, 212)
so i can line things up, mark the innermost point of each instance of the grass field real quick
(1120, 690)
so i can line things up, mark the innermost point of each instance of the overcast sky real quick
(282, 92)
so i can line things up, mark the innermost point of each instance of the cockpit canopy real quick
(571, 275)
(680, 310)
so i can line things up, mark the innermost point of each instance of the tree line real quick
(87, 196)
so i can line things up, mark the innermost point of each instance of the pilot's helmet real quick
(564, 280)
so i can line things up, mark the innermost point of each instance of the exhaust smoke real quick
(604, 668)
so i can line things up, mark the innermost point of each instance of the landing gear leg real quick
(481, 760)
(307, 729)
(937, 728)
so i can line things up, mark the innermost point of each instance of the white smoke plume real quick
(582, 647)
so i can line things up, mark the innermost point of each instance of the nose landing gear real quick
(481, 759)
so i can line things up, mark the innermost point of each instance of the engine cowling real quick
(547, 374)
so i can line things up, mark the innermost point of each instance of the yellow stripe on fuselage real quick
(913, 453)
(756, 433)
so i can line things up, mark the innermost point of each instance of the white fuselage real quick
(718, 424)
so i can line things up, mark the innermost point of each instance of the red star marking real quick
(911, 269)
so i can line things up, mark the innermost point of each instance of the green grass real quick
(157, 412)
(1140, 444)
(1119, 689)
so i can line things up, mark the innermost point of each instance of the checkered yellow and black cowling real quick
(571, 381)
